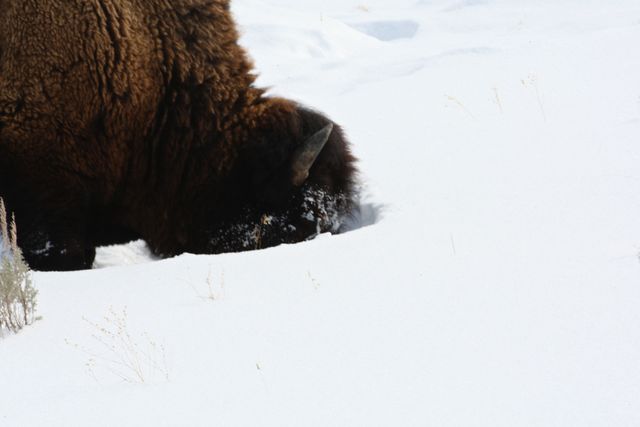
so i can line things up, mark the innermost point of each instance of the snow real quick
(492, 278)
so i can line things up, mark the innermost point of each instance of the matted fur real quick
(122, 119)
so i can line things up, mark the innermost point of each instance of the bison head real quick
(294, 179)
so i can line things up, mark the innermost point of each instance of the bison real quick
(125, 119)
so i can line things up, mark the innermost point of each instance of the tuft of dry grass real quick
(134, 358)
(213, 290)
(532, 82)
(17, 295)
(455, 101)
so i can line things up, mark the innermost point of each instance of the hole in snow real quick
(464, 4)
(388, 30)
(365, 214)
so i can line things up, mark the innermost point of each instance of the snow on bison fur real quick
(124, 119)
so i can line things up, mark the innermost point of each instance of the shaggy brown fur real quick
(138, 118)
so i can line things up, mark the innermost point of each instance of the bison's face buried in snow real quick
(287, 204)
(307, 193)
(123, 119)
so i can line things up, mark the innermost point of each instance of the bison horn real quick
(307, 153)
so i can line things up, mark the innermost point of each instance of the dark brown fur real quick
(138, 118)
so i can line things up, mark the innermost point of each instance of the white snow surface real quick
(493, 279)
